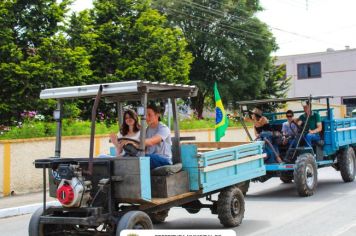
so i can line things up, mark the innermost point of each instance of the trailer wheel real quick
(231, 207)
(347, 164)
(158, 217)
(244, 186)
(134, 220)
(305, 175)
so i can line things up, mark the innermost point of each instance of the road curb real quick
(22, 210)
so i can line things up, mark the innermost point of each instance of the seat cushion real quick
(166, 170)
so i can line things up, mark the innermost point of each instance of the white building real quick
(323, 73)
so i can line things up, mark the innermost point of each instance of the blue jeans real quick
(157, 160)
(311, 138)
(271, 156)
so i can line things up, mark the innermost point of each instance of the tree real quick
(135, 42)
(276, 81)
(229, 45)
(35, 55)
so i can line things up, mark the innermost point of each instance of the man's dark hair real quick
(290, 112)
(155, 109)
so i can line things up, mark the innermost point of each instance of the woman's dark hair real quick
(124, 127)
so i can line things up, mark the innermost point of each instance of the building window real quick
(350, 106)
(309, 70)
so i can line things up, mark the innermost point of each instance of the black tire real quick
(231, 207)
(158, 217)
(193, 207)
(34, 226)
(305, 175)
(347, 164)
(287, 179)
(244, 186)
(37, 229)
(192, 211)
(134, 220)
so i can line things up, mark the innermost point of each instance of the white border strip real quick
(22, 210)
(345, 129)
(232, 163)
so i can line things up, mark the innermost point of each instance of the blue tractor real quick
(301, 160)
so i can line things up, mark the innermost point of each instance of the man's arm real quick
(156, 139)
(319, 128)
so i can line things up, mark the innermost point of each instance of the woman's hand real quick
(118, 147)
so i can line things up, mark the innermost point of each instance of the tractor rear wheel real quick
(287, 179)
(347, 164)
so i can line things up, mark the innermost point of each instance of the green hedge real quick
(36, 129)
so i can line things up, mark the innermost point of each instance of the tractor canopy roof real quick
(281, 100)
(123, 91)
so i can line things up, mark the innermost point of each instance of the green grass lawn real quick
(36, 129)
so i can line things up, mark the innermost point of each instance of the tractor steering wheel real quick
(129, 139)
(130, 148)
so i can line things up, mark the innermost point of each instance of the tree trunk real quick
(198, 104)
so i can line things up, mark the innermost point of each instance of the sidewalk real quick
(23, 204)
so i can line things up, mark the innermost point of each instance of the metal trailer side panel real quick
(190, 164)
(217, 169)
(345, 130)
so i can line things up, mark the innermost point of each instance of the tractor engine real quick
(73, 190)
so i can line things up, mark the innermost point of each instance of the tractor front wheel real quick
(305, 175)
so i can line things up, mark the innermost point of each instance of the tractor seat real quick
(166, 170)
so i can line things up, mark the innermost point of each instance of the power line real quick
(221, 13)
(204, 8)
(227, 28)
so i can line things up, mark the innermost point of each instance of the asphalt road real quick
(272, 208)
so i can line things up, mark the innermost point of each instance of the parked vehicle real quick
(103, 196)
(301, 161)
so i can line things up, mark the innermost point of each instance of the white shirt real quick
(135, 136)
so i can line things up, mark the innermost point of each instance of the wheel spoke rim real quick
(235, 207)
(309, 176)
(138, 226)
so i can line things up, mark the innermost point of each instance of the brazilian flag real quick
(221, 121)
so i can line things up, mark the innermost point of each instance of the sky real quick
(302, 26)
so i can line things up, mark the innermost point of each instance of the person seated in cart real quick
(130, 128)
(314, 125)
(263, 132)
(158, 139)
(289, 129)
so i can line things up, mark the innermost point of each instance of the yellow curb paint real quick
(97, 147)
(7, 166)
